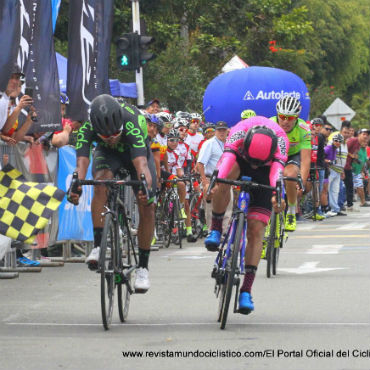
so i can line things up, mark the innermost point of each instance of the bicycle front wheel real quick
(279, 242)
(107, 269)
(231, 270)
(124, 263)
(270, 244)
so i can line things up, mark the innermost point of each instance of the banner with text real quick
(36, 57)
(89, 38)
(9, 36)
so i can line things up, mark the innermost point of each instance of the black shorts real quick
(260, 203)
(294, 159)
(108, 159)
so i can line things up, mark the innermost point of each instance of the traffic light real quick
(127, 51)
(144, 54)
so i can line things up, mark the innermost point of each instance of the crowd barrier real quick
(71, 226)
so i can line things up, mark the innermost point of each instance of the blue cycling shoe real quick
(24, 261)
(213, 240)
(246, 305)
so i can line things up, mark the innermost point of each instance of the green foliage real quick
(325, 43)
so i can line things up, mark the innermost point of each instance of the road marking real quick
(354, 226)
(325, 249)
(306, 227)
(309, 268)
(345, 236)
(366, 324)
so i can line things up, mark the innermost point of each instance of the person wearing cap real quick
(331, 153)
(317, 160)
(355, 163)
(209, 155)
(342, 154)
(11, 107)
(153, 107)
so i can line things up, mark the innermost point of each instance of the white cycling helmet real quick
(178, 122)
(289, 106)
(164, 116)
(196, 116)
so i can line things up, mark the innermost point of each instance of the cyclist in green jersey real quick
(120, 132)
(299, 156)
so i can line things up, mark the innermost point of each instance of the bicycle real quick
(275, 235)
(226, 270)
(118, 259)
(170, 216)
(197, 211)
(315, 196)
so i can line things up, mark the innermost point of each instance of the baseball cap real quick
(366, 130)
(220, 125)
(155, 100)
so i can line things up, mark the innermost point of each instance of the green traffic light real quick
(124, 60)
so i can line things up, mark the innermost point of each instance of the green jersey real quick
(299, 137)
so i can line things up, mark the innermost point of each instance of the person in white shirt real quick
(209, 155)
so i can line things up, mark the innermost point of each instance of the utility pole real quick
(138, 74)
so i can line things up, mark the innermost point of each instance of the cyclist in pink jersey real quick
(256, 147)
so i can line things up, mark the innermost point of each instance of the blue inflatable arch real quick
(257, 88)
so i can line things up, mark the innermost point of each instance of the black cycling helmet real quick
(260, 144)
(106, 115)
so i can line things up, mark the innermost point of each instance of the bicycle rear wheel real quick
(124, 263)
(278, 243)
(107, 269)
(270, 244)
(231, 269)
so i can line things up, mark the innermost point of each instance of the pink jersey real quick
(234, 147)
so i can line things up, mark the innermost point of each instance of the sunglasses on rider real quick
(194, 120)
(182, 129)
(328, 128)
(173, 140)
(168, 125)
(107, 137)
(284, 117)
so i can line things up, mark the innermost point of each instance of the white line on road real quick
(354, 226)
(325, 249)
(309, 268)
(197, 323)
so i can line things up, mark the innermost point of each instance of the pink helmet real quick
(260, 144)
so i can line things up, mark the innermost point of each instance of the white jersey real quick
(183, 152)
(193, 140)
(173, 161)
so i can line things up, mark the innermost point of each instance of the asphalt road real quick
(314, 314)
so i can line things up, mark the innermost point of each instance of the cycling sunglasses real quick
(107, 137)
(173, 140)
(168, 125)
(328, 129)
(284, 117)
(194, 120)
(182, 129)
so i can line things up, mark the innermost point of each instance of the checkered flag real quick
(25, 207)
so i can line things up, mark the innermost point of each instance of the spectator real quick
(355, 163)
(324, 175)
(61, 138)
(331, 155)
(209, 155)
(341, 161)
(11, 107)
(153, 107)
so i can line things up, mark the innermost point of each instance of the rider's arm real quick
(82, 166)
(141, 166)
(225, 163)
(165, 162)
(305, 163)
